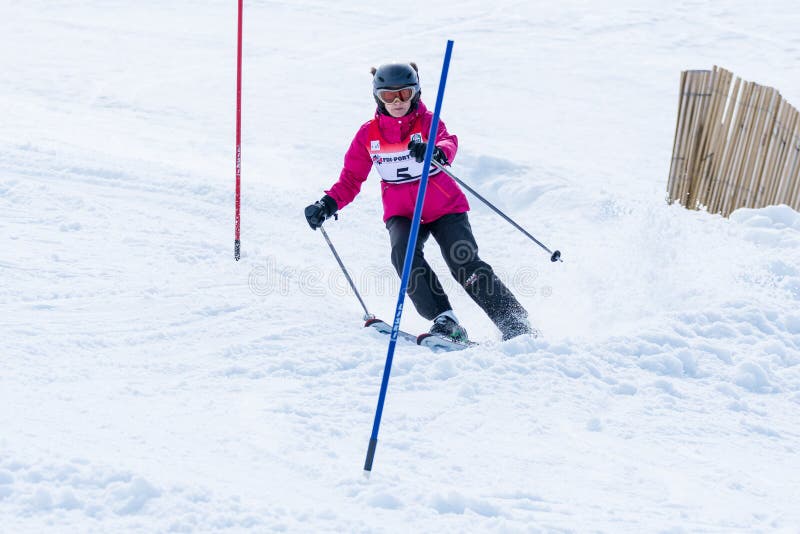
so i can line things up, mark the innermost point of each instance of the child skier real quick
(395, 141)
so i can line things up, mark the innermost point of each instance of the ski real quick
(431, 341)
(440, 343)
(385, 328)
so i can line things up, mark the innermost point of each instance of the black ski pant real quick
(453, 234)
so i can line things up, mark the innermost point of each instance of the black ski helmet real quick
(395, 76)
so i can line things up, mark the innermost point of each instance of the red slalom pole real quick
(237, 242)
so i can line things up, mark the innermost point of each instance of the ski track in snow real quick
(150, 383)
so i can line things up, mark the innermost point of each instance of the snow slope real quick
(150, 383)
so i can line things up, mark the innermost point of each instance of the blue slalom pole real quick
(412, 244)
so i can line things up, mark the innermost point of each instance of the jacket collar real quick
(395, 129)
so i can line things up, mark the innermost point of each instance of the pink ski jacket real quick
(442, 197)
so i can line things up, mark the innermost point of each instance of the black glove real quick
(418, 149)
(321, 210)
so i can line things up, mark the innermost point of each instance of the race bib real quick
(394, 161)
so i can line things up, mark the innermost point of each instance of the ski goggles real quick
(387, 96)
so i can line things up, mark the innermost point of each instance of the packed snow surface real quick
(148, 382)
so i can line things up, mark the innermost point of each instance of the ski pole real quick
(367, 314)
(555, 256)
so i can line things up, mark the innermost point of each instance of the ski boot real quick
(445, 326)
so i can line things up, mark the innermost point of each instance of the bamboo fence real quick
(737, 144)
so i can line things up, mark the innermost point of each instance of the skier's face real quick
(398, 108)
